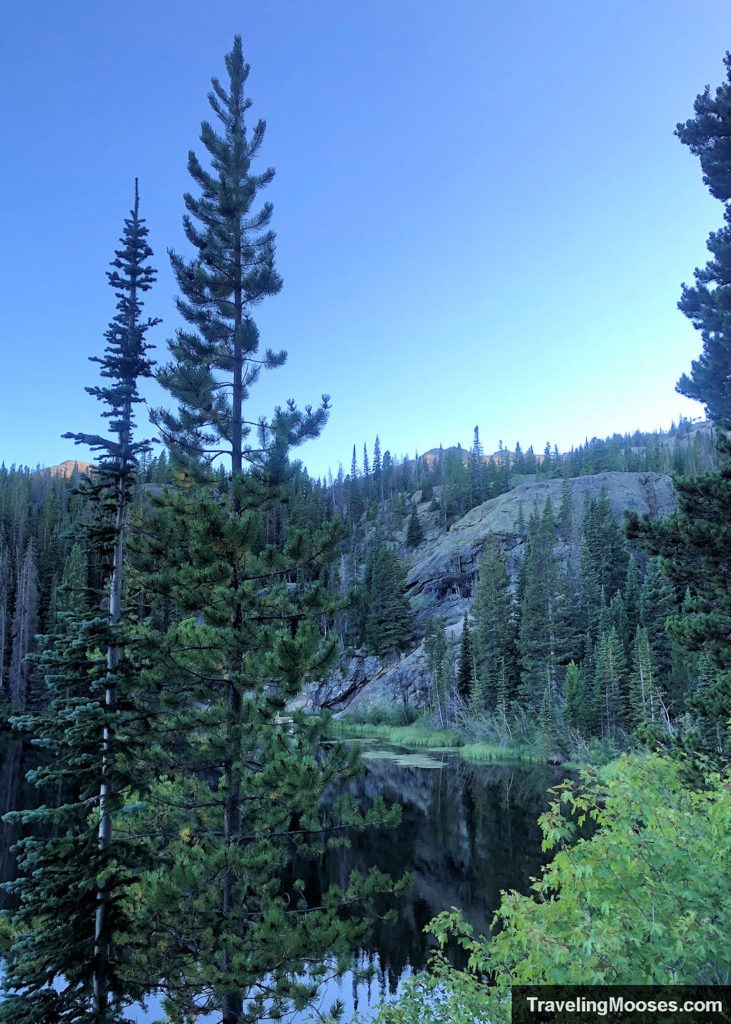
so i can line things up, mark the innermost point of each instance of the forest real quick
(165, 611)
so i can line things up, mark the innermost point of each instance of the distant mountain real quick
(69, 467)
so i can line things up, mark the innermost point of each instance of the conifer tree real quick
(414, 532)
(695, 543)
(388, 621)
(706, 135)
(465, 664)
(545, 628)
(477, 479)
(610, 683)
(377, 470)
(574, 697)
(25, 621)
(644, 694)
(632, 596)
(438, 649)
(565, 520)
(4, 605)
(657, 604)
(244, 636)
(94, 729)
(493, 624)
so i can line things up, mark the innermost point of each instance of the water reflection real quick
(467, 832)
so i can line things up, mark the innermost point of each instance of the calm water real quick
(466, 833)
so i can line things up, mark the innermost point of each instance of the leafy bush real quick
(645, 900)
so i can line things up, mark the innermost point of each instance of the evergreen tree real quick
(414, 532)
(4, 606)
(657, 604)
(707, 136)
(25, 621)
(477, 479)
(610, 683)
(632, 596)
(547, 723)
(695, 543)
(545, 629)
(94, 729)
(574, 697)
(604, 559)
(389, 622)
(493, 624)
(465, 665)
(377, 470)
(438, 649)
(644, 694)
(230, 275)
(565, 521)
(244, 636)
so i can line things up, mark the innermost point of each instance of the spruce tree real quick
(388, 621)
(465, 664)
(94, 730)
(574, 697)
(644, 694)
(25, 621)
(414, 532)
(657, 604)
(545, 637)
(610, 683)
(494, 625)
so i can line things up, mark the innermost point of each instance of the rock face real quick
(442, 570)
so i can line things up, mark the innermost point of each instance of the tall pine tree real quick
(95, 727)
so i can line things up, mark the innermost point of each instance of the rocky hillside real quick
(442, 571)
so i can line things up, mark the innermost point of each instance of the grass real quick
(403, 735)
(417, 737)
(486, 752)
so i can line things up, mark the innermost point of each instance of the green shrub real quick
(645, 900)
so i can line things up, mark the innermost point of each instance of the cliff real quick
(442, 570)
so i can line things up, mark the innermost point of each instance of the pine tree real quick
(377, 470)
(230, 275)
(657, 604)
(566, 512)
(244, 635)
(414, 532)
(4, 605)
(706, 135)
(574, 697)
(25, 621)
(545, 636)
(388, 622)
(477, 480)
(610, 683)
(465, 664)
(91, 729)
(438, 649)
(494, 626)
(644, 694)
(632, 596)
(695, 543)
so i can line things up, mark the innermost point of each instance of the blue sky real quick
(482, 214)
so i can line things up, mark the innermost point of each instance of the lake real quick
(466, 833)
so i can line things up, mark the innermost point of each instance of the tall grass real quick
(415, 735)
(491, 752)
(420, 736)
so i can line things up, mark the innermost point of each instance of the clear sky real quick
(482, 214)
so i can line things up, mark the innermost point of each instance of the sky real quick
(482, 214)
